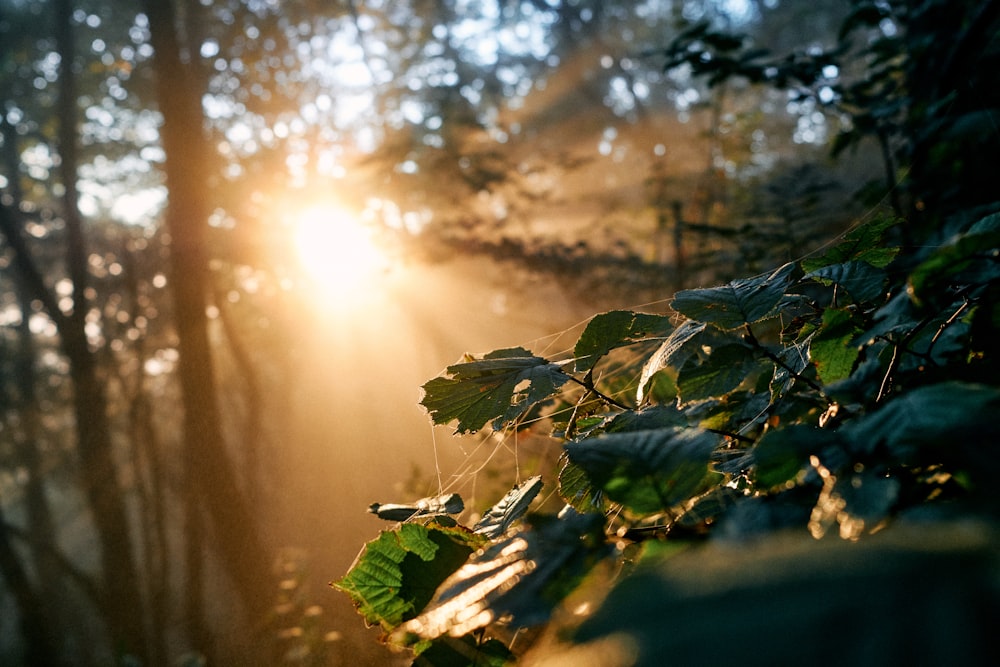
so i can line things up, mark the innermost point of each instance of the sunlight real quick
(337, 252)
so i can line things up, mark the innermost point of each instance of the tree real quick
(100, 481)
(209, 472)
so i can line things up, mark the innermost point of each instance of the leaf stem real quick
(588, 383)
(757, 345)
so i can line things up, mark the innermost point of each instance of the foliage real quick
(848, 393)
(806, 399)
(920, 92)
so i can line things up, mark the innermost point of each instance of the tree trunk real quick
(39, 649)
(41, 525)
(212, 483)
(123, 601)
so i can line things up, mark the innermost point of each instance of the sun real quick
(336, 251)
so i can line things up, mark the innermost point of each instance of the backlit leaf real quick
(668, 354)
(396, 574)
(862, 281)
(520, 579)
(576, 489)
(648, 471)
(782, 453)
(500, 387)
(832, 348)
(739, 303)
(615, 329)
(863, 243)
(723, 371)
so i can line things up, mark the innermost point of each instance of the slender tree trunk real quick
(147, 462)
(212, 483)
(102, 488)
(41, 525)
(39, 649)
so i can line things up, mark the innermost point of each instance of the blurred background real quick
(238, 235)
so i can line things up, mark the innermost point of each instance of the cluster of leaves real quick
(831, 395)
(912, 75)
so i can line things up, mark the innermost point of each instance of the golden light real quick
(337, 252)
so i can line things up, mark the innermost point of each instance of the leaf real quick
(648, 471)
(511, 507)
(832, 348)
(615, 329)
(782, 453)
(861, 280)
(647, 419)
(694, 606)
(668, 353)
(396, 574)
(969, 258)
(944, 420)
(739, 411)
(467, 651)
(739, 303)
(519, 579)
(575, 488)
(863, 243)
(795, 359)
(501, 387)
(450, 503)
(723, 371)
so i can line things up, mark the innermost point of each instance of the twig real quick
(588, 383)
(752, 339)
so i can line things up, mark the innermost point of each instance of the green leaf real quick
(723, 371)
(615, 329)
(519, 579)
(945, 420)
(740, 410)
(782, 453)
(466, 651)
(647, 419)
(863, 243)
(501, 387)
(862, 281)
(577, 490)
(648, 471)
(739, 303)
(832, 348)
(969, 258)
(795, 359)
(397, 573)
(693, 607)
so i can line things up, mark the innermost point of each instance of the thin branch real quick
(752, 339)
(588, 383)
(33, 281)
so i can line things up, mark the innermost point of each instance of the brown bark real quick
(39, 649)
(102, 488)
(212, 483)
